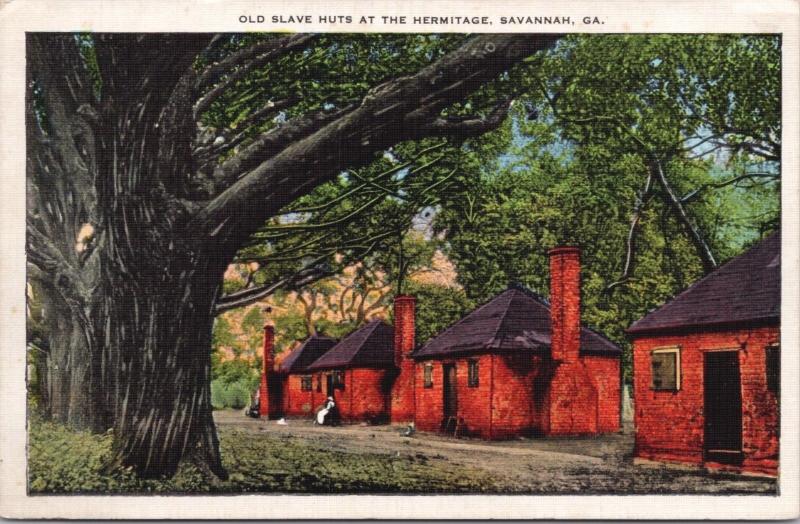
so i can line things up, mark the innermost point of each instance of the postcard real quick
(418, 260)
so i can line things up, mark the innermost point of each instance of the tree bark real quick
(131, 303)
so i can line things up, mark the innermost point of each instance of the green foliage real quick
(253, 327)
(236, 394)
(336, 70)
(569, 166)
(65, 461)
(591, 116)
(233, 381)
(437, 308)
(290, 326)
(222, 335)
(235, 370)
(62, 460)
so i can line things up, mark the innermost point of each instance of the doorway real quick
(329, 385)
(723, 407)
(450, 392)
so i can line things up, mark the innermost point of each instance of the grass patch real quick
(64, 461)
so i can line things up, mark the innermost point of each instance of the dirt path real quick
(575, 465)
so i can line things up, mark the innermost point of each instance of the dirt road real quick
(567, 465)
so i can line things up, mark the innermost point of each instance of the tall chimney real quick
(565, 303)
(267, 369)
(402, 405)
(404, 329)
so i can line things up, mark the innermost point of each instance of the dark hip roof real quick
(744, 290)
(516, 319)
(371, 346)
(306, 353)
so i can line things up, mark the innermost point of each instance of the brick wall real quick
(365, 395)
(605, 375)
(428, 402)
(299, 403)
(670, 425)
(473, 402)
(583, 396)
(573, 408)
(515, 410)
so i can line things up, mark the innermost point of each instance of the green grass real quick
(65, 461)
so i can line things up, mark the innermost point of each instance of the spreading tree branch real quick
(240, 64)
(249, 296)
(642, 199)
(674, 203)
(691, 195)
(269, 144)
(398, 110)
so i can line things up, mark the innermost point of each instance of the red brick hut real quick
(706, 368)
(518, 366)
(300, 396)
(370, 373)
(358, 373)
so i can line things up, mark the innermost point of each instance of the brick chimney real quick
(565, 303)
(402, 406)
(405, 307)
(267, 369)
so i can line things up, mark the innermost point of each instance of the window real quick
(427, 373)
(774, 368)
(338, 380)
(472, 374)
(305, 383)
(319, 383)
(665, 369)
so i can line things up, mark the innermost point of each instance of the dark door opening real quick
(723, 407)
(276, 399)
(329, 384)
(450, 393)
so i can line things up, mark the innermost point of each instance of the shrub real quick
(234, 395)
(216, 394)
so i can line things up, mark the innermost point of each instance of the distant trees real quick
(659, 155)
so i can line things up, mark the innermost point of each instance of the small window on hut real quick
(319, 383)
(774, 368)
(472, 374)
(665, 366)
(338, 380)
(427, 373)
(305, 383)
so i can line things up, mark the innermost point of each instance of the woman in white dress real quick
(322, 413)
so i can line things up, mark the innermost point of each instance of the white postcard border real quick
(19, 16)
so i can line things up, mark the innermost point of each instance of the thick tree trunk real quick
(161, 331)
(139, 360)
(70, 372)
(130, 307)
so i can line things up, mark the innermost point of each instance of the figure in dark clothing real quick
(328, 415)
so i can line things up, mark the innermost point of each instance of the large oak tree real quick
(138, 200)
